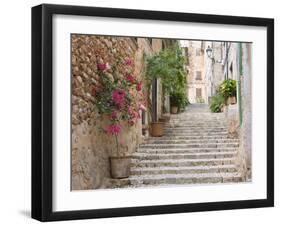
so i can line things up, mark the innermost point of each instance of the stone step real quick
(185, 162)
(183, 170)
(198, 131)
(182, 179)
(208, 155)
(189, 141)
(184, 126)
(195, 121)
(198, 116)
(184, 150)
(188, 133)
(198, 145)
(187, 137)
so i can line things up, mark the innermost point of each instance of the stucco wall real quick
(196, 63)
(246, 89)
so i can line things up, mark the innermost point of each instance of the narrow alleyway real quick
(194, 149)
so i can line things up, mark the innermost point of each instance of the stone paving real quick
(195, 149)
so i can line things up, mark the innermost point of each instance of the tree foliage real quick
(216, 103)
(169, 66)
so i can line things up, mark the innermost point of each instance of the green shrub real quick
(227, 88)
(217, 103)
(178, 99)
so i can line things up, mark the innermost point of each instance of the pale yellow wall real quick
(196, 63)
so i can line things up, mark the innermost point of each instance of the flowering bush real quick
(119, 97)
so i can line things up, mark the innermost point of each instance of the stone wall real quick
(91, 147)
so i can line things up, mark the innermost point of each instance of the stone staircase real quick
(194, 150)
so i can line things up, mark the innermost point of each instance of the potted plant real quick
(118, 101)
(157, 129)
(174, 103)
(178, 101)
(227, 89)
(217, 103)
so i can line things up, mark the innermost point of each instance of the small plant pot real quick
(120, 166)
(157, 129)
(231, 100)
(174, 109)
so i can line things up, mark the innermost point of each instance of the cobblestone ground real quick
(194, 150)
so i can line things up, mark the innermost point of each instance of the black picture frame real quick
(42, 111)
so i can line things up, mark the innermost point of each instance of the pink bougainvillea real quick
(118, 97)
(101, 67)
(128, 62)
(113, 129)
(130, 78)
(130, 111)
(139, 86)
(114, 115)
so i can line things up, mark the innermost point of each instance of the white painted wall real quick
(15, 113)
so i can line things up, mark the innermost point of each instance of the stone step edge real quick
(145, 150)
(181, 160)
(181, 176)
(190, 141)
(227, 166)
(138, 154)
(156, 146)
(212, 137)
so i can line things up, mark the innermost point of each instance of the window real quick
(198, 75)
(198, 92)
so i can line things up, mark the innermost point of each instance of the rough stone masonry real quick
(91, 148)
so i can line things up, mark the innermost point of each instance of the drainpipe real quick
(238, 88)
(227, 47)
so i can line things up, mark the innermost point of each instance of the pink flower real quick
(130, 78)
(130, 111)
(128, 62)
(131, 122)
(113, 129)
(101, 67)
(114, 115)
(118, 97)
(139, 86)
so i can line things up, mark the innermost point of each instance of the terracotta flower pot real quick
(231, 100)
(157, 129)
(120, 166)
(174, 109)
